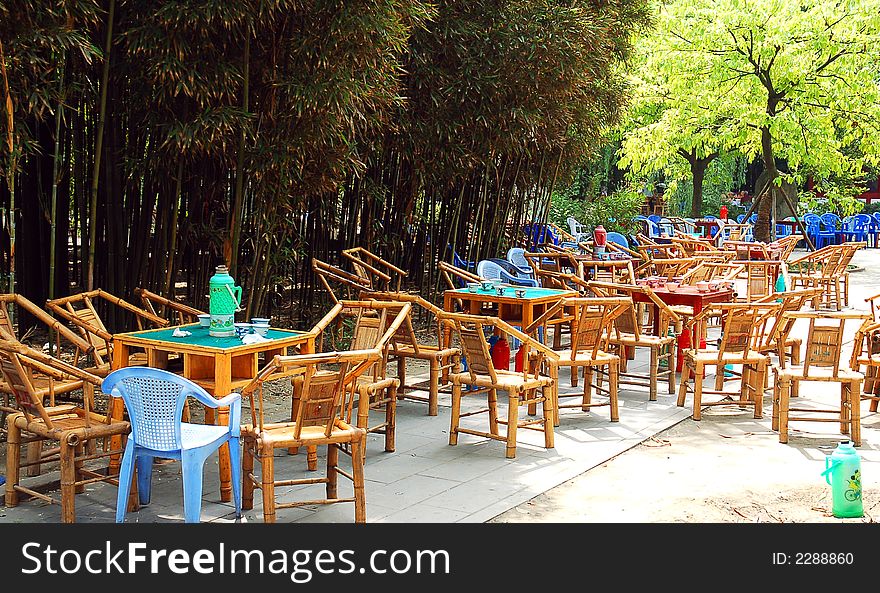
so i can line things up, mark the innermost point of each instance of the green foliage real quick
(725, 172)
(615, 211)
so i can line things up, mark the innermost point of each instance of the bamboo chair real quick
(350, 285)
(45, 384)
(482, 376)
(738, 346)
(788, 244)
(650, 249)
(593, 319)
(175, 312)
(73, 430)
(866, 351)
(80, 311)
(374, 271)
(405, 345)
(821, 362)
(790, 300)
(553, 261)
(376, 324)
(826, 268)
(456, 277)
(668, 268)
(318, 421)
(627, 334)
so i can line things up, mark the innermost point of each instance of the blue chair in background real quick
(154, 399)
(830, 222)
(515, 256)
(460, 262)
(871, 229)
(853, 228)
(500, 269)
(618, 238)
(650, 228)
(783, 230)
(816, 231)
(740, 218)
(539, 233)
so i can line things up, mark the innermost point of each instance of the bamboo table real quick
(587, 263)
(219, 365)
(511, 308)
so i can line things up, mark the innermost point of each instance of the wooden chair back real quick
(475, 349)
(79, 309)
(456, 277)
(329, 275)
(628, 322)
(741, 327)
(173, 311)
(19, 363)
(321, 391)
(374, 271)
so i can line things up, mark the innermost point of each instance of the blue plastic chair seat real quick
(201, 435)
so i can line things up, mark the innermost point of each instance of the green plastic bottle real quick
(843, 470)
(224, 299)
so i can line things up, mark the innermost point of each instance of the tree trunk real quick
(761, 231)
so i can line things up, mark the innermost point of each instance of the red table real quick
(688, 296)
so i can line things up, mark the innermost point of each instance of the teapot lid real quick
(222, 269)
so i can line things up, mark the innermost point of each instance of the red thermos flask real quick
(600, 236)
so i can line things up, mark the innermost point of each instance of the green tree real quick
(779, 80)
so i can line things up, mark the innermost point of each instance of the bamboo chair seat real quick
(279, 434)
(818, 374)
(711, 356)
(568, 357)
(505, 380)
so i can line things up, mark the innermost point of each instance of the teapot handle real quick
(236, 295)
(829, 467)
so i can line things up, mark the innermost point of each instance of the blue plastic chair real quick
(816, 232)
(740, 218)
(830, 223)
(783, 230)
(618, 238)
(539, 233)
(154, 399)
(853, 228)
(460, 262)
(500, 269)
(515, 256)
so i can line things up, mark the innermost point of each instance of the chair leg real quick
(547, 407)
(191, 466)
(855, 401)
(357, 474)
(144, 464)
(670, 357)
(784, 391)
(588, 388)
(683, 385)
(390, 418)
(699, 371)
(513, 399)
(455, 412)
(247, 469)
(267, 481)
(612, 391)
(126, 475)
(653, 370)
(235, 473)
(332, 490)
(434, 388)
(492, 398)
(13, 461)
(68, 481)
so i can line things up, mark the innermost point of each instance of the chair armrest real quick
(232, 401)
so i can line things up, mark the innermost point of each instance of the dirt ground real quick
(726, 468)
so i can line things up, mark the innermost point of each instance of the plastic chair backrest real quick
(830, 220)
(654, 217)
(154, 399)
(618, 238)
(515, 256)
(740, 218)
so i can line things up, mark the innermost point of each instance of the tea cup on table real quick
(473, 286)
(260, 325)
(703, 286)
(487, 284)
(520, 292)
(671, 286)
(242, 329)
(205, 320)
(500, 290)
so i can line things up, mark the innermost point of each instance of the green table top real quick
(531, 293)
(201, 336)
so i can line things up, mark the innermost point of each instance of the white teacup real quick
(205, 320)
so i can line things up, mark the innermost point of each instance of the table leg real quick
(446, 336)
(527, 318)
(222, 387)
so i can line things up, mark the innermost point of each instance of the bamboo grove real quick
(146, 142)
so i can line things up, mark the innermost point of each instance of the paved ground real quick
(654, 465)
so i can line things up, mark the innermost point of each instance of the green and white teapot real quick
(224, 299)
